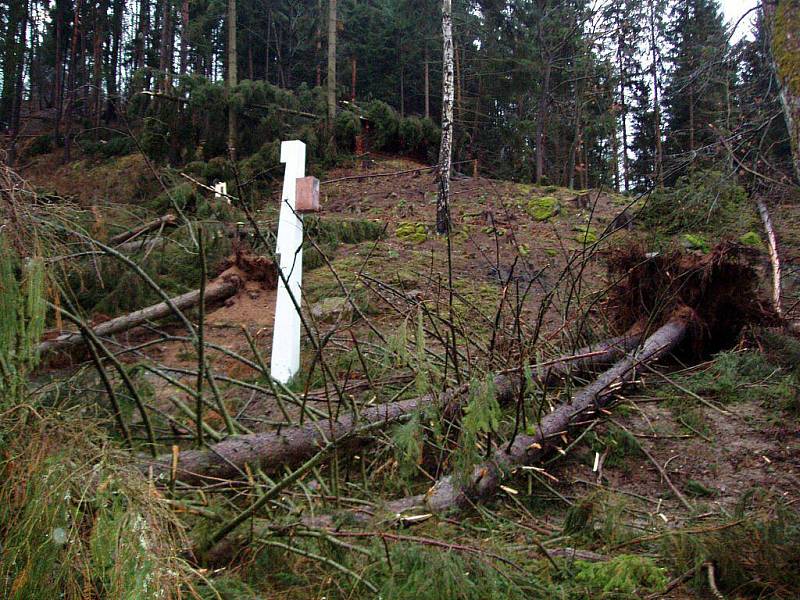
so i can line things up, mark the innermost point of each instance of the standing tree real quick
(331, 63)
(446, 148)
(232, 75)
(783, 23)
(696, 94)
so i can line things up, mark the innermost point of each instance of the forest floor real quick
(718, 428)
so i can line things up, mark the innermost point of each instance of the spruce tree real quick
(696, 93)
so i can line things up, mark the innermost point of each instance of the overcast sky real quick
(735, 9)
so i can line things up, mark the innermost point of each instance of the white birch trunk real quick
(446, 149)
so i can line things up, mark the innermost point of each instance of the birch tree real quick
(446, 148)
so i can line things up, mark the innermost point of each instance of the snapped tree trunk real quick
(446, 148)
(215, 292)
(290, 446)
(485, 478)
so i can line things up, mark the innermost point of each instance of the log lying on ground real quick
(448, 493)
(290, 446)
(168, 220)
(216, 291)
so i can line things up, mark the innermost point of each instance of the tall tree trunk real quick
(318, 51)
(266, 49)
(164, 54)
(783, 24)
(427, 66)
(659, 166)
(73, 68)
(540, 120)
(250, 57)
(624, 118)
(140, 47)
(691, 120)
(58, 85)
(353, 78)
(19, 83)
(12, 54)
(97, 63)
(232, 78)
(184, 36)
(402, 89)
(446, 149)
(615, 160)
(331, 63)
(113, 72)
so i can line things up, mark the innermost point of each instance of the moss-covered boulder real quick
(412, 233)
(544, 208)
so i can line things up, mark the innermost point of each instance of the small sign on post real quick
(307, 195)
(285, 361)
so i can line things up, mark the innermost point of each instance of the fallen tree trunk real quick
(215, 292)
(168, 220)
(290, 446)
(448, 493)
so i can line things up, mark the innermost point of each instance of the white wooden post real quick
(221, 191)
(286, 335)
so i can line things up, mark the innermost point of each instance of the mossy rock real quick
(544, 208)
(412, 233)
(752, 239)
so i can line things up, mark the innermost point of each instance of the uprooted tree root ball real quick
(721, 289)
(251, 267)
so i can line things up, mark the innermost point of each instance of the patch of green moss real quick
(586, 235)
(551, 252)
(751, 238)
(695, 242)
(544, 208)
(412, 233)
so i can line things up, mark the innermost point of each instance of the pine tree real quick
(695, 96)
